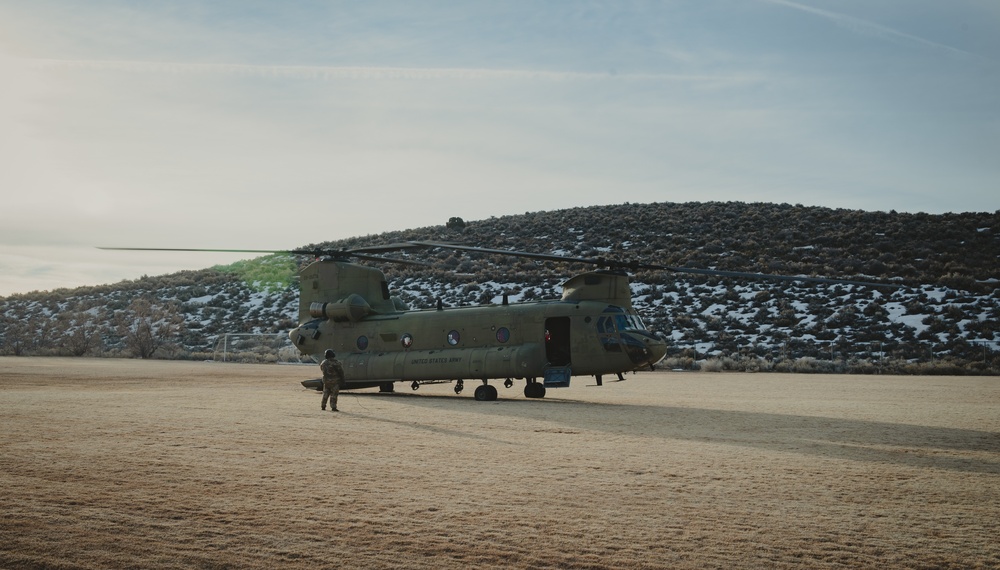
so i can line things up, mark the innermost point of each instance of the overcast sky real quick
(271, 125)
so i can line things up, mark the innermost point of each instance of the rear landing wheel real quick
(386, 387)
(534, 390)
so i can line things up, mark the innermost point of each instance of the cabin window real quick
(503, 335)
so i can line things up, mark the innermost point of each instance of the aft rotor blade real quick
(388, 247)
(767, 276)
(636, 266)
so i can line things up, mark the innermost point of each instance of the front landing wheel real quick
(485, 393)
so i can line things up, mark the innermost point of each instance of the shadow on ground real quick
(858, 440)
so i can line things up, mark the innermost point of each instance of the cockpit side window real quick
(608, 334)
(623, 322)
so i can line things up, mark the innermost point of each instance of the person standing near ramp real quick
(333, 377)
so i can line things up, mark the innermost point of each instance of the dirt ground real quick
(152, 464)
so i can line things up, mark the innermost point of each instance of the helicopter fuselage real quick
(523, 340)
(592, 330)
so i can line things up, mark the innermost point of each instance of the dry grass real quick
(116, 463)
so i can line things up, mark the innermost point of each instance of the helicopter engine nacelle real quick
(351, 308)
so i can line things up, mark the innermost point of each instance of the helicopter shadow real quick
(954, 449)
(367, 414)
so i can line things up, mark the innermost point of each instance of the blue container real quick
(556, 377)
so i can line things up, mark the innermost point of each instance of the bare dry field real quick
(152, 464)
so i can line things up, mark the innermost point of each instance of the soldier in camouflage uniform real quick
(333, 377)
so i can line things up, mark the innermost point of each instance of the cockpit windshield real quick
(619, 331)
(629, 322)
(620, 322)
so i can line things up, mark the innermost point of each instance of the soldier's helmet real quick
(329, 354)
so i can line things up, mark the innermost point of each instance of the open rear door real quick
(557, 347)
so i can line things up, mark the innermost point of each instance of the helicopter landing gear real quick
(387, 387)
(415, 385)
(508, 383)
(459, 386)
(534, 389)
(485, 393)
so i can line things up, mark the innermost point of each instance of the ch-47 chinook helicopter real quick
(592, 330)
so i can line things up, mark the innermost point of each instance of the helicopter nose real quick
(657, 346)
(644, 347)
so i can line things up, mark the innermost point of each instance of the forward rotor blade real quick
(196, 250)
(525, 254)
(389, 259)
(335, 253)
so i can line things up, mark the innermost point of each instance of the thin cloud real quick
(867, 28)
(372, 73)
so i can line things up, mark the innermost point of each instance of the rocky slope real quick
(945, 319)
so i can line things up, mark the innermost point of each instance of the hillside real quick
(947, 319)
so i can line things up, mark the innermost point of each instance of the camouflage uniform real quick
(333, 377)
